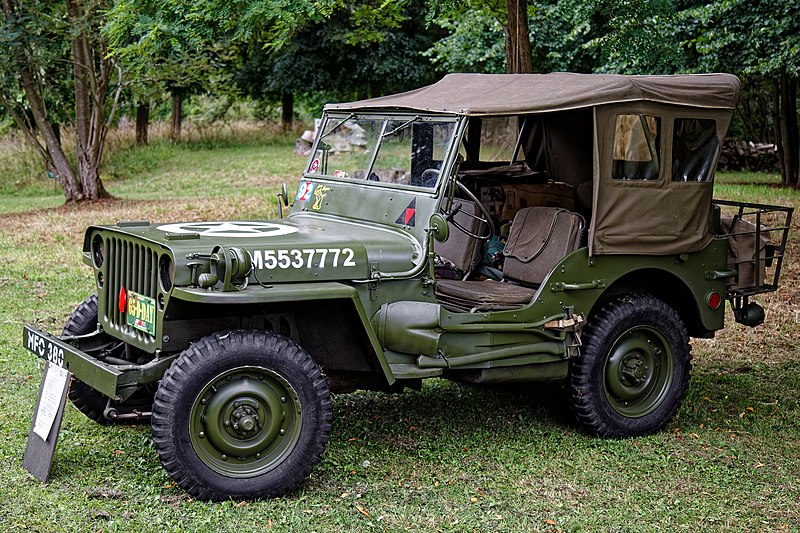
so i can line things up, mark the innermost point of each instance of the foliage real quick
(747, 36)
(323, 50)
(571, 35)
(139, 30)
(466, 46)
(633, 37)
(163, 54)
(758, 40)
(52, 38)
(269, 48)
(560, 31)
(761, 40)
(38, 36)
(474, 47)
(341, 59)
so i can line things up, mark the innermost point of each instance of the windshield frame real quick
(339, 117)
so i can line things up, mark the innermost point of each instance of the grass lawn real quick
(452, 457)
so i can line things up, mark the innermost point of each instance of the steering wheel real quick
(428, 177)
(486, 219)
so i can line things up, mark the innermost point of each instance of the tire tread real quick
(198, 354)
(584, 400)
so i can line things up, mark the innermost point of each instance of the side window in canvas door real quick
(637, 140)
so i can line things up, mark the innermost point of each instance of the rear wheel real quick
(87, 400)
(241, 415)
(633, 371)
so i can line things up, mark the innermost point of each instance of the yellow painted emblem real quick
(319, 195)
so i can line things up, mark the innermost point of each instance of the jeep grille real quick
(134, 266)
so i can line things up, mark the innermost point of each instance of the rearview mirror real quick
(283, 200)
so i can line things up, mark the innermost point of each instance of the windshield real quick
(400, 149)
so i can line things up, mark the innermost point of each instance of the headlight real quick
(166, 272)
(98, 250)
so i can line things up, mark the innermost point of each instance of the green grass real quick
(754, 187)
(240, 158)
(451, 457)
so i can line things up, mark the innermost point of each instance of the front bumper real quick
(118, 382)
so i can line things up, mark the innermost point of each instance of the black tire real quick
(633, 370)
(87, 400)
(253, 393)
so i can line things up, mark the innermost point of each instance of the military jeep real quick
(486, 229)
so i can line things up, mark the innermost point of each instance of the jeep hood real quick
(297, 249)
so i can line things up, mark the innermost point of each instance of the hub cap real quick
(245, 422)
(639, 371)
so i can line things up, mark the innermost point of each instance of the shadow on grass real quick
(443, 405)
(446, 419)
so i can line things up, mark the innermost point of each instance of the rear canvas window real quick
(694, 149)
(636, 147)
(499, 139)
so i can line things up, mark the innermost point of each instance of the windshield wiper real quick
(400, 127)
(336, 127)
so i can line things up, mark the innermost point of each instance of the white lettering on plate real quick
(304, 258)
(45, 349)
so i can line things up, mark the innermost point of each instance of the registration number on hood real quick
(304, 258)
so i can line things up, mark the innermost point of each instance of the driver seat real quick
(540, 237)
(459, 248)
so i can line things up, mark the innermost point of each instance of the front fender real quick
(292, 293)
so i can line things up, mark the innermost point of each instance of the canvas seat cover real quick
(545, 236)
(507, 94)
(482, 295)
(661, 215)
(460, 248)
(540, 237)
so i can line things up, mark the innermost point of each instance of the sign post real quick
(46, 424)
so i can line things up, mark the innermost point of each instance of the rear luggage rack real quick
(757, 235)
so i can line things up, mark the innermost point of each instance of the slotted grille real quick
(134, 266)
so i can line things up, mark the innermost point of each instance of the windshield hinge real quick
(427, 283)
(375, 280)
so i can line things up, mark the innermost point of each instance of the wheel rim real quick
(245, 422)
(639, 371)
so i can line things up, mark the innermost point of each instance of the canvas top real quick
(508, 94)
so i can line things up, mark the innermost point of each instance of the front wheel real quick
(241, 415)
(633, 371)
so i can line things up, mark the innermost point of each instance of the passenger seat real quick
(540, 237)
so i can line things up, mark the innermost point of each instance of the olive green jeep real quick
(487, 229)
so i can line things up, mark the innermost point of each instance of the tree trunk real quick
(92, 72)
(52, 154)
(789, 140)
(142, 123)
(177, 116)
(54, 157)
(287, 110)
(91, 90)
(518, 41)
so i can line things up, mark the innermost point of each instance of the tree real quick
(486, 36)
(475, 47)
(518, 41)
(44, 36)
(485, 16)
(631, 37)
(760, 40)
(186, 45)
(346, 57)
